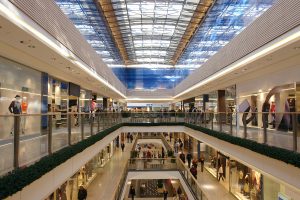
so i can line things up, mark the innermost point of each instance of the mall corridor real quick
(81, 78)
(106, 182)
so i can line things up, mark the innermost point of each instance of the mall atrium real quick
(149, 99)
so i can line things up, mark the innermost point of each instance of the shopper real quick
(82, 193)
(162, 152)
(132, 192)
(189, 159)
(202, 163)
(182, 157)
(221, 173)
(165, 193)
(193, 171)
(122, 146)
(128, 137)
(179, 191)
(195, 163)
(131, 138)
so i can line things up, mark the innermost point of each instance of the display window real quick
(210, 162)
(276, 103)
(246, 183)
(20, 91)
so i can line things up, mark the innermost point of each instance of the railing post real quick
(82, 126)
(91, 123)
(69, 128)
(16, 140)
(98, 122)
(212, 124)
(49, 134)
(220, 121)
(295, 134)
(231, 133)
(204, 119)
(245, 127)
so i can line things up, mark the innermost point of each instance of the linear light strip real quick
(278, 43)
(62, 50)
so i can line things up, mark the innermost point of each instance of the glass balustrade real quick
(24, 139)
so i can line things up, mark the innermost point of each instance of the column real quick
(221, 107)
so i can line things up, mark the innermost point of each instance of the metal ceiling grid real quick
(152, 30)
(88, 20)
(225, 20)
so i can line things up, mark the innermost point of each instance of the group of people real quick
(178, 145)
(129, 138)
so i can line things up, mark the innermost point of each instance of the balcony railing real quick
(161, 164)
(25, 139)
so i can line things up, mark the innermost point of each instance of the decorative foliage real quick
(19, 178)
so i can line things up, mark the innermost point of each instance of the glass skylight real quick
(86, 18)
(157, 26)
(226, 19)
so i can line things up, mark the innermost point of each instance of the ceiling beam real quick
(109, 14)
(198, 17)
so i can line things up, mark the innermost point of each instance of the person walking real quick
(131, 138)
(182, 157)
(122, 146)
(202, 163)
(193, 171)
(189, 159)
(82, 193)
(179, 191)
(165, 193)
(221, 173)
(132, 192)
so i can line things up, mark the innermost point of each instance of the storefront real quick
(17, 79)
(210, 159)
(84, 176)
(246, 183)
(276, 102)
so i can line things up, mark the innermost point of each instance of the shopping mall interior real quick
(149, 99)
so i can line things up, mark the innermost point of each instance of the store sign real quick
(283, 197)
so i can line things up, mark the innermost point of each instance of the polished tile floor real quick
(105, 184)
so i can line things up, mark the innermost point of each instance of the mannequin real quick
(15, 108)
(24, 107)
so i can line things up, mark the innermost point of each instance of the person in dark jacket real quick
(202, 163)
(193, 171)
(165, 193)
(82, 193)
(189, 159)
(122, 146)
(182, 157)
(132, 192)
